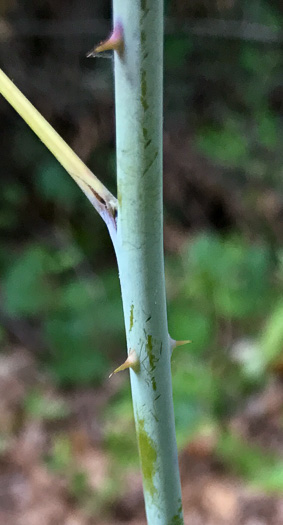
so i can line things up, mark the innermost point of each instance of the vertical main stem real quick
(139, 250)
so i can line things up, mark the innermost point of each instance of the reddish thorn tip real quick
(114, 43)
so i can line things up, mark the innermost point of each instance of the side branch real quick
(102, 200)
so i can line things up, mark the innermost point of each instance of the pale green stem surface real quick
(139, 250)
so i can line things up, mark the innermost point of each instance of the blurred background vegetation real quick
(61, 312)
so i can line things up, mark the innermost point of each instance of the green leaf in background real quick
(77, 356)
(54, 184)
(176, 51)
(14, 194)
(12, 201)
(8, 219)
(40, 406)
(258, 63)
(244, 283)
(267, 129)
(261, 468)
(61, 456)
(227, 145)
(26, 289)
(228, 276)
(66, 258)
(80, 297)
(271, 341)
(186, 322)
(27, 148)
(195, 394)
(84, 324)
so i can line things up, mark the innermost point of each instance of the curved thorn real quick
(181, 343)
(114, 43)
(131, 362)
(173, 343)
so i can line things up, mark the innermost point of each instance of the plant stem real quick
(139, 250)
(103, 201)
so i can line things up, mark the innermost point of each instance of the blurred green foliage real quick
(263, 470)
(41, 407)
(80, 317)
(229, 276)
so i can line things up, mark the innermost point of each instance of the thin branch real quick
(102, 200)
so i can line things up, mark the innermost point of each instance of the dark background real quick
(68, 453)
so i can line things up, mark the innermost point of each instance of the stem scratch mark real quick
(97, 196)
(144, 90)
(150, 164)
(131, 317)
